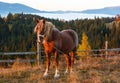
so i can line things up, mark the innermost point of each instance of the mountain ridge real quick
(18, 8)
(113, 10)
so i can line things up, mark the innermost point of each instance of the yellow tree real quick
(84, 48)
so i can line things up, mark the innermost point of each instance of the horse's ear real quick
(44, 21)
(36, 20)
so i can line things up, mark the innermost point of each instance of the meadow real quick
(89, 70)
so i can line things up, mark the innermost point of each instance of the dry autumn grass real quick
(92, 70)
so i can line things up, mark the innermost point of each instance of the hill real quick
(16, 8)
(5, 8)
(107, 10)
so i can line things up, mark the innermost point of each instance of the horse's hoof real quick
(57, 76)
(71, 72)
(66, 72)
(45, 75)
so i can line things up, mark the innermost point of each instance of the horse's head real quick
(43, 28)
(40, 26)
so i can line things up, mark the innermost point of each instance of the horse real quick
(57, 42)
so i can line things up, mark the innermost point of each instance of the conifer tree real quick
(84, 48)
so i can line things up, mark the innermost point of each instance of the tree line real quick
(16, 32)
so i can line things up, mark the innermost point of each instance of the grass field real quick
(91, 70)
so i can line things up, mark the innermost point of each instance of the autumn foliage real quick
(84, 48)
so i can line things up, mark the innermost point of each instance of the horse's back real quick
(69, 39)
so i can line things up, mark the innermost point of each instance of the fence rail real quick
(17, 53)
(8, 61)
(96, 50)
(34, 53)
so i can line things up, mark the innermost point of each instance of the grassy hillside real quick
(91, 70)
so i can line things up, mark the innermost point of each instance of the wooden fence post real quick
(38, 59)
(106, 49)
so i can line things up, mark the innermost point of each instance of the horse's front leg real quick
(47, 64)
(56, 61)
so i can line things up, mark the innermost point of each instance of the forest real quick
(16, 32)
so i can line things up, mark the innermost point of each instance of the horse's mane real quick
(48, 28)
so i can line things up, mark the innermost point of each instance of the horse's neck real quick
(55, 30)
(55, 34)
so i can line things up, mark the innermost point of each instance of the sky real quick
(65, 5)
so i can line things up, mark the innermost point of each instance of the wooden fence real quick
(95, 52)
(38, 53)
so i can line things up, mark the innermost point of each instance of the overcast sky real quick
(76, 5)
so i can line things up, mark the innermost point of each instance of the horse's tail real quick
(76, 44)
(75, 38)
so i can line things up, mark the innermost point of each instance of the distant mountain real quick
(5, 8)
(16, 8)
(107, 10)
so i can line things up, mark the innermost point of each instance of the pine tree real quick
(84, 48)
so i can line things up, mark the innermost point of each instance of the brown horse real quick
(57, 42)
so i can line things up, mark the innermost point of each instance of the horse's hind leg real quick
(72, 55)
(47, 64)
(56, 61)
(68, 62)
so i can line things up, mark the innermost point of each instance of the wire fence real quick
(94, 52)
(103, 52)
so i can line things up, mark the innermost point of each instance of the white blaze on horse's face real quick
(39, 28)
